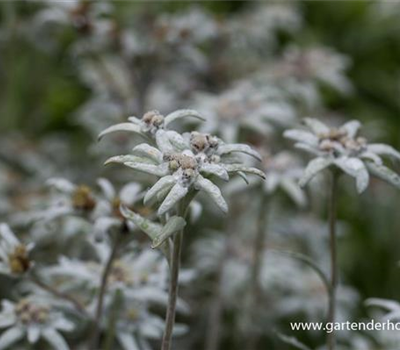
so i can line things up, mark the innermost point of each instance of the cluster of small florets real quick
(28, 312)
(337, 138)
(203, 143)
(152, 121)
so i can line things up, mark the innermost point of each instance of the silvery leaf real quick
(182, 113)
(55, 339)
(176, 140)
(237, 147)
(355, 168)
(213, 191)
(294, 192)
(174, 224)
(163, 142)
(157, 170)
(125, 159)
(135, 120)
(384, 173)
(302, 136)
(121, 127)
(306, 147)
(372, 157)
(382, 149)
(10, 336)
(351, 128)
(243, 176)
(313, 168)
(174, 196)
(152, 229)
(316, 126)
(215, 169)
(165, 182)
(235, 168)
(146, 151)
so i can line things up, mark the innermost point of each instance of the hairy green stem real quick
(94, 338)
(331, 338)
(174, 275)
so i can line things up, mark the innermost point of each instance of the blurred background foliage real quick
(40, 91)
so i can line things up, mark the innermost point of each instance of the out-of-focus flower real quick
(14, 255)
(343, 149)
(31, 318)
(249, 105)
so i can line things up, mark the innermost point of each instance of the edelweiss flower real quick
(343, 149)
(184, 164)
(34, 319)
(14, 255)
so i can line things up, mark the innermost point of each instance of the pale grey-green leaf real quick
(302, 136)
(384, 173)
(237, 147)
(174, 196)
(213, 191)
(174, 224)
(236, 168)
(127, 158)
(383, 149)
(152, 169)
(313, 168)
(149, 227)
(121, 127)
(182, 113)
(215, 169)
(316, 126)
(355, 168)
(351, 128)
(165, 182)
(10, 336)
(147, 151)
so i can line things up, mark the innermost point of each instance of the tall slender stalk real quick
(94, 338)
(256, 292)
(331, 338)
(174, 275)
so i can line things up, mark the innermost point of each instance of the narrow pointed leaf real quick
(237, 147)
(355, 168)
(313, 168)
(174, 224)
(316, 126)
(215, 169)
(182, 113)
(352, 128)
(302, 136)
(147, 151)
(127, 158)
(385, 150)
(236, 168)
(213, 191)
(174, 196)
(384, 173)
(157, 170)
(165, 182)
(149, 227)
(121, 127)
